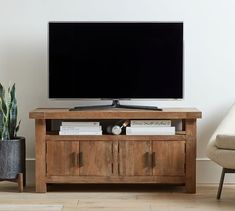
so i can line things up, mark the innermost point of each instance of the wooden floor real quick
(122, 198)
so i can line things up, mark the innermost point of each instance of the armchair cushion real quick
(225, 141)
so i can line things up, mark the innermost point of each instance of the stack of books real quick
(150, 127)
(80, 128)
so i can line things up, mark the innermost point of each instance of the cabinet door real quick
(96, 158)
(62, 158)
(134, 158)
(168, 158)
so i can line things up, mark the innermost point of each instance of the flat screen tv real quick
(116, 60)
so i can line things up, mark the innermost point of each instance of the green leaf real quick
(8, 113)
(1, 119)
(2, 98)
(2, 91)
(13, 118)
(5, 133)
(3, 106)
(17, 128)
(12, 92)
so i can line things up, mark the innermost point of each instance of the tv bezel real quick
(119, 99)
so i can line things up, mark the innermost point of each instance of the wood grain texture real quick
(166, 113)
(20, 181)
(62, 158)
(190, 127)
(121, 198)
(30, 207)
(169, 158)
(116, 138)
(115, 153)
(40, 154)
(117, 179)
(134, 158)
(97, 158)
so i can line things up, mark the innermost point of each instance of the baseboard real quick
(207, 172)
(30, 171)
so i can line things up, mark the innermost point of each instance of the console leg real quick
(190, 167)
(40, 148)
(20, 182)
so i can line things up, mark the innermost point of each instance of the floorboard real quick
(122, 197)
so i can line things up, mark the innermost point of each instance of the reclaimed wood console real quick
(166, 159)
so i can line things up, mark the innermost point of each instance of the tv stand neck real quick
(115, 104)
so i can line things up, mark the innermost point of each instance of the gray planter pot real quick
(12, 158)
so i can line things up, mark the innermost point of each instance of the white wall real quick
(209, 33)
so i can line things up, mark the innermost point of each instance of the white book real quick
(150, 123)
(81, 128)
(90, 124)
(150, 130)
(79, 133)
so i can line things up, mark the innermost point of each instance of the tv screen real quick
(116, 60)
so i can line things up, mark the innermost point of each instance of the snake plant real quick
(8, 113)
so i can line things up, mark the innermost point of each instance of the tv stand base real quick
(115, 104)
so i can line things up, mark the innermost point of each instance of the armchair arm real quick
(225, 141)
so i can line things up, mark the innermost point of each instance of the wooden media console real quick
(162, 159)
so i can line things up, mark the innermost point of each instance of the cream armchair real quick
(221, 146)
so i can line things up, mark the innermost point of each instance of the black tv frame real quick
(116, 102)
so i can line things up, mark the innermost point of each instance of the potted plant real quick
(12, 147)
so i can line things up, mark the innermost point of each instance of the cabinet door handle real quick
(74, 159)
(80, 157)
(153, 159)
(146, 159)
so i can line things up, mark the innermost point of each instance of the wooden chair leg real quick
(221, 183)
(20, 182)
